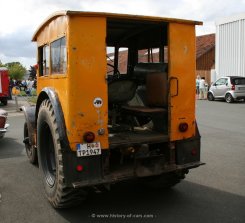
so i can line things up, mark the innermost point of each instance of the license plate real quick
(88, 149)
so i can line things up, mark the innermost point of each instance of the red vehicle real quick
(4, 85)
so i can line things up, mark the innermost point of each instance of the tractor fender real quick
(29, 112)
(51, 94)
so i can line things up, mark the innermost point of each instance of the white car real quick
(230, 88)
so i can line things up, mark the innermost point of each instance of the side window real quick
(43, 54)
(151, 55)
(58, 56)
(110, 57)
(221, 81)
(123, 60)
(120, 61)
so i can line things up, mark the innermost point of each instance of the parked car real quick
(3, 124)
(4, 85)
(230, 88)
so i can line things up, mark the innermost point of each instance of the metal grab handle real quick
(177, 81)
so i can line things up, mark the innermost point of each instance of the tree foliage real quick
(32, 72)
(16, 70)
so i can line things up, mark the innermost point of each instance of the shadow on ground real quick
(131, 202)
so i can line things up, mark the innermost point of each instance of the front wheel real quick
(51, 162)
(210, 96)
(4, 101)
(229, 98)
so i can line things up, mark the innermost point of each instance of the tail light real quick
(2, 122)
(79, 168)
(193, 152)
(183, 127)
(88, 137)
(233, 87)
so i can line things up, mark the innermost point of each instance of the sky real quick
(20, 19)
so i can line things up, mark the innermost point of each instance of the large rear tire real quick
(50, 160)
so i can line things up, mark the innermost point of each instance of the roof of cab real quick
(111, 15)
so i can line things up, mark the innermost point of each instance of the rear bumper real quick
(238, 95)
(3, 130)
(179, 157)
(96, 171)
(117, 177)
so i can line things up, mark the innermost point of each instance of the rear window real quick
(238, 81)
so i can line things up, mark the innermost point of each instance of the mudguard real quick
(29, 112)
(49, 93)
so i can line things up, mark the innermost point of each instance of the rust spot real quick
(73, 124)
(81, 114)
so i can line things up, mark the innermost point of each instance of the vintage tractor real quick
(116, 101)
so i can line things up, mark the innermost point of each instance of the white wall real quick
(230, 46)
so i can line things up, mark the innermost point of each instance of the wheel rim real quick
(27, 145)
(49, 162)
(228, 98)
(210, 97)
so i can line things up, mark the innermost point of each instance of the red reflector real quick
(79, 168)
(183, 127)
(193, 152)
(233, 87)
(88, 137)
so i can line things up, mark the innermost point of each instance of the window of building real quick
(58, 56)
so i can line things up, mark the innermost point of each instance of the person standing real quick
(197, 85)
(29, 87)
(202, 88)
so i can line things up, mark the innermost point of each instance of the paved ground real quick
(13, 107)
(211, 193)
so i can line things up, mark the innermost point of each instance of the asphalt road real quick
(211, 193)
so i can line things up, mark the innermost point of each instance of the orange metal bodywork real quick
(182, 67)
(85, 79)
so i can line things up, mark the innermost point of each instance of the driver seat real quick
(154, 94)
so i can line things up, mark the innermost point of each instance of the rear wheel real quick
(210, 96)
(229, 98)
(31, 151)
(50, 160)
(4, 101)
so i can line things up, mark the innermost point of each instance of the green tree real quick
(16, 70)
(32, 72)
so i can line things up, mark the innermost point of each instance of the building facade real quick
(230, 46)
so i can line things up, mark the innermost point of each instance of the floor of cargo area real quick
(136, 137)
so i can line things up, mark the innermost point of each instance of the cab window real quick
(43, 52)
(58, 56)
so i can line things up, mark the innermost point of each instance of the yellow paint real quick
(182, 65)
(85, 79)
